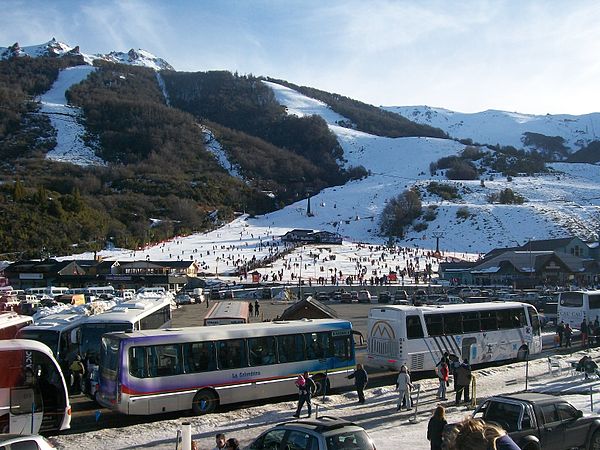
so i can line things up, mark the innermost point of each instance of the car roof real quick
(322, 424)
(531, 397)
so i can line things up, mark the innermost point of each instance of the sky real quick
(534, 57)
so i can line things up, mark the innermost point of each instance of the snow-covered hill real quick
(58, 49)
(505, 128)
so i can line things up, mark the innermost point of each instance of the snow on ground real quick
(70, 146)
(214, 147)
(505, 128)
(388, 428)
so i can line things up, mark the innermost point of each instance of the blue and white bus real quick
(200, 368)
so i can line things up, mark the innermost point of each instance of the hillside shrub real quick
(443, 190)
(399, 212)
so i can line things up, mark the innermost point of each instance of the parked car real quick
(215, 294)
(384, 297)
(364, 296)
(184, 299)
(322, 296)
(346, 297)
(540, 421)
(354, 295)
(24, 442)
(400, 295)
(324, 433)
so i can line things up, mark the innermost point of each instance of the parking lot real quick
(193, 315)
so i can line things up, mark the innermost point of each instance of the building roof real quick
(529, 261)
(309, 302)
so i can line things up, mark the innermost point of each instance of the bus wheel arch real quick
(205, 401)
(322, 384)
(523, 353)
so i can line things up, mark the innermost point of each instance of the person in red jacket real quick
(443, 373)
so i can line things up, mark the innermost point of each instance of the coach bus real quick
(574, 306)
(480, 332)
(33, 393)
(200, 368)
(11, 323)
(59, 333)
(227, 313)
(136, 314)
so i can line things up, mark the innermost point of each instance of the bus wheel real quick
(523, 353)
(322, 383)
(205, 402)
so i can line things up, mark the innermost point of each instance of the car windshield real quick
(355, 440)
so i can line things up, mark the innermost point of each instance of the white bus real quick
(481, 333)
(59, 333)
(11, 323)
(136, 314)
(52, 291)
(93, 290)
(574, 306)
(226, 313)
(33, 393)
(200, 368)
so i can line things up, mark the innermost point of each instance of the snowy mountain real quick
(505, 128)
(54, 48)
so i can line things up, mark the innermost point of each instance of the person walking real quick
(584, 332)
(560, 330)
(568, 335)
(443, 373)
(251, 309)
(256, 308)
(77, 371)
(306, 388)
(360, 382)
(435, 428)
(463, 381)
(220, 441)
(403, 385)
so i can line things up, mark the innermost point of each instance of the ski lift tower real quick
(437, 235)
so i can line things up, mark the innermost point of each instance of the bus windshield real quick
(573, 299)
(91, 334)
(48, 337)
(109, 355)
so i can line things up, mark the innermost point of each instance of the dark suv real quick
(541, 422)
(324, 433)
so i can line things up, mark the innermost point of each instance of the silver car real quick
(24, 442)
(324, 433)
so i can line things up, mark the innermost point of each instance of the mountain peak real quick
(56, 49)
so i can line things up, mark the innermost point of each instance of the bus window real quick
(414, 329)
(317, 345)
(488, 320)
(573, 299)
(261, 350)
(471, 322)
(453, 323)
(342, 347)
(535, 320)
(232, 354)
(594, 301)
(137, 362)
(110, 354)
(156, 319)
(199, 357)
(290, 348)
(163, 360)
(518, 318)
(434, 324)
(504, 319)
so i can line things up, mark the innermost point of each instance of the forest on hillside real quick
(367, 118)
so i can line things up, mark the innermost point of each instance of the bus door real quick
(469, 349)
(26, 410)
